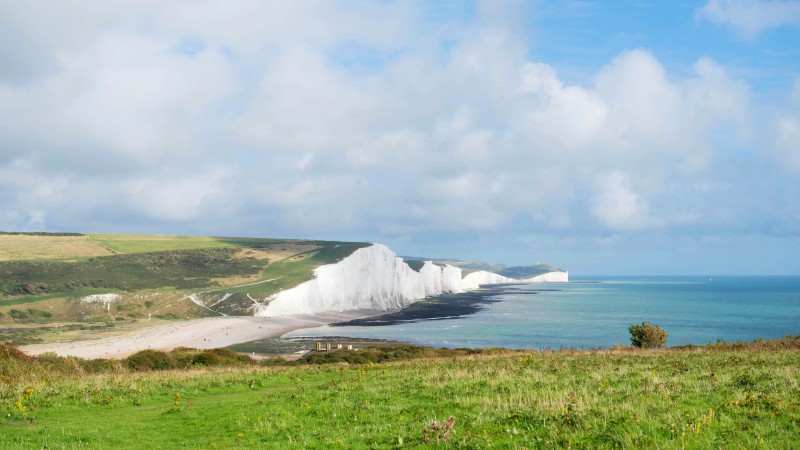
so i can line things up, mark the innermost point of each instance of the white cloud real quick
(436, 131)
(303, 103)
(787, 141)
(569, 115)
(618, 206)
(750, 17)
(176, 199)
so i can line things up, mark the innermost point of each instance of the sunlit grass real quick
(142, 243)
(715, 397)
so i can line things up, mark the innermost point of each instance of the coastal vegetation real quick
(725, 395)
(46, 279)
(647, 335)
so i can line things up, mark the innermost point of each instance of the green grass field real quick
(143, 243)
(715, 397)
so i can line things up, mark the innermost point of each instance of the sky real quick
(619, 137)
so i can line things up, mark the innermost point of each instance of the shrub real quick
(230, 357)
(206, 359)
(187, 357)
(150, 360)
(17, 314)
(9, 352)
(38, 313)
(647, 335)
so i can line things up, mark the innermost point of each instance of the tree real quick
(647, 335)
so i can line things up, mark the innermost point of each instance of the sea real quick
(595, 312)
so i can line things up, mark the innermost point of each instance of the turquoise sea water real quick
(593, 312)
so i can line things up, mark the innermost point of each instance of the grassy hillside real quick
(528, 271)
(720, 396)
(44, 277)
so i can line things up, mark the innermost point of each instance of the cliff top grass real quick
(20, 247)
(144, 243)
(75, 246)
(739, 395)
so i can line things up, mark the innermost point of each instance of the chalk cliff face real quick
(375, 278)
(550, 277)
(475, 279)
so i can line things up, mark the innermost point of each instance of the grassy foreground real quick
(720, 396)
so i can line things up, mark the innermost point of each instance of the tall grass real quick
(718, 396)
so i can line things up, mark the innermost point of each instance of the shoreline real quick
(221, 332)
(206, 333)
(445, 306)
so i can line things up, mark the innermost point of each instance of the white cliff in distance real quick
(376, 278)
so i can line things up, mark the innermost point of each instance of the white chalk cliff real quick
(375, 278)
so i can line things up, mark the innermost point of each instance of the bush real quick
(9, 352)
(38, 313)
(150, 360)
(185, 357)
(647, 335)
(17, 314)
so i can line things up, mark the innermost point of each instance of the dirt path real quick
(212, 332)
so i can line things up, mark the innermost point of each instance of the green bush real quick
(206, 359)
(184, 357)
(38, 313)
(150, 360)
(647, 335)
(17, 314)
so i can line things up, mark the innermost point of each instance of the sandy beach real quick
(214, 332)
